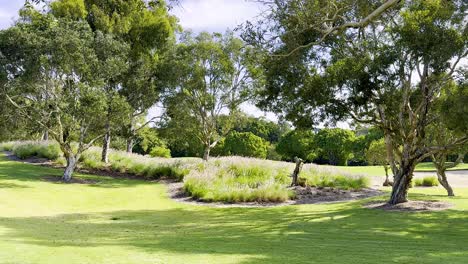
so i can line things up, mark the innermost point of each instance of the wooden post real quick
(297, 170)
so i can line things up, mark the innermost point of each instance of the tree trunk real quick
(444, 182)
(71, 165)
(130, 145)
(297, 171)
(387, 181)
(45, 136)
(401, 185)
(106, 146)
(206, 153)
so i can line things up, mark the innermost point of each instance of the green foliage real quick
(239, 181)
(297, 143)
(428, 181)
(207, 67)
(268, 130)
(150, 142)
(335, 145)
(245, 144)
(161, 152)
(7, 146)
(322, 178)
(45, 149)
(377, 153)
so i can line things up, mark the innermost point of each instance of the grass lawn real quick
(379, 170)
(130, 221)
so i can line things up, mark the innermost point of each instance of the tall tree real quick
(216, 74)
(52, 80)
(147, 29)
(386, 74)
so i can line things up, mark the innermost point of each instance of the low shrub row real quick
(27, 149)
(226, 179)
(236, 179)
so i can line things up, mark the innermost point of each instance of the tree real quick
(142, 32)
(335, 145)
(376, 154)
(386, 72)
(54, 81)
(215, 75)
(245, 144)
(450, 125)
(297, 143)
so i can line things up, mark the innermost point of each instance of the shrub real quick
(429, 181)
(162, 152)
(296, 143)
(245, 144)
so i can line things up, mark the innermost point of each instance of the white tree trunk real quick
(106, 146)
(71, 166)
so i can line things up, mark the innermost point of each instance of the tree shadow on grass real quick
(14, 170)
(291, 234)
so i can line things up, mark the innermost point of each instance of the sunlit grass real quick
(132, 221)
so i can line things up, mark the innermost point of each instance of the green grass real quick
(131, 221)
(379, 170)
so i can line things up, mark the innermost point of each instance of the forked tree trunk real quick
(402, 184)
(106, 147)
(71, 166)
(444, 182)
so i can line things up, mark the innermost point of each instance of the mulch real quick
(410, 206)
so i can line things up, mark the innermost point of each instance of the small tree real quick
(376, 154)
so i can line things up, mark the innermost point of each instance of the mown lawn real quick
(129, 221)
(379, 170)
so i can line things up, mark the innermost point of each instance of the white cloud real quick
(215, 15)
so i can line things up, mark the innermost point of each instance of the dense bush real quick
(335, 145)
(161, 152)
(296, 143)
(245, 144)
(429, 181)
(40, 149)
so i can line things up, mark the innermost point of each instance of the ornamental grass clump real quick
(39, 149)
(236, 179)
(320, 177)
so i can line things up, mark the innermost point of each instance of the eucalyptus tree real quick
(385, 72)
(140, 32)
(148, 28)
(215, 74)
(53, 80)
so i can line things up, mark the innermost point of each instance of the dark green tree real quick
(384, 72)
(245, 144)
(297, 143)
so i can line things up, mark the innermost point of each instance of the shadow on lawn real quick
(15, 170)
(290, 234)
